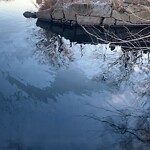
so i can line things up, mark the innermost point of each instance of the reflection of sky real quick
(40, 104)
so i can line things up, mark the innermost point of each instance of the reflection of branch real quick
(120, 41)
(107, 110)
(123, 129)
(121, 121)
(56, 51)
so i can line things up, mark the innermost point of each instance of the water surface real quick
(70, 96)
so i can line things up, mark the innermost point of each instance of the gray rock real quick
(44, 15)
(118, 22)
(83, 9)
(136, 2)
(101, 10)
(88, 20)
(109, 21)
(122, 17)
(28, 14)
(142, 17)
(69, 13)
(58, 14)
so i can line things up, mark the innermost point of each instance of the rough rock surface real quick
(88, 20)
(98, 12)
(28, 14)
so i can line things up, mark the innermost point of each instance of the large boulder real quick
(95, 12)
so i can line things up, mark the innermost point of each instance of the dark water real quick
(62, 95)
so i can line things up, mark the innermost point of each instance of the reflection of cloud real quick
(117, 68)
(30, 72)
(94, 60)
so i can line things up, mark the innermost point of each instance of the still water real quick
(57, 94)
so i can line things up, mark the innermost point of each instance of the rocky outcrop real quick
(102, 12)
(28, 14)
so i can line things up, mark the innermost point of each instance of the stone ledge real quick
(88, 20)
(101, 13)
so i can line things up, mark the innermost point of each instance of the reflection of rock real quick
(77, 34)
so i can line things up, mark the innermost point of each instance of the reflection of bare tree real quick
(132, 74)
(55, 50)
(130, 124)
(124, 65)
(134, 55)
(127, 38)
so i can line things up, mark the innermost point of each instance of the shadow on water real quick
(72, 33)
(103, 35)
